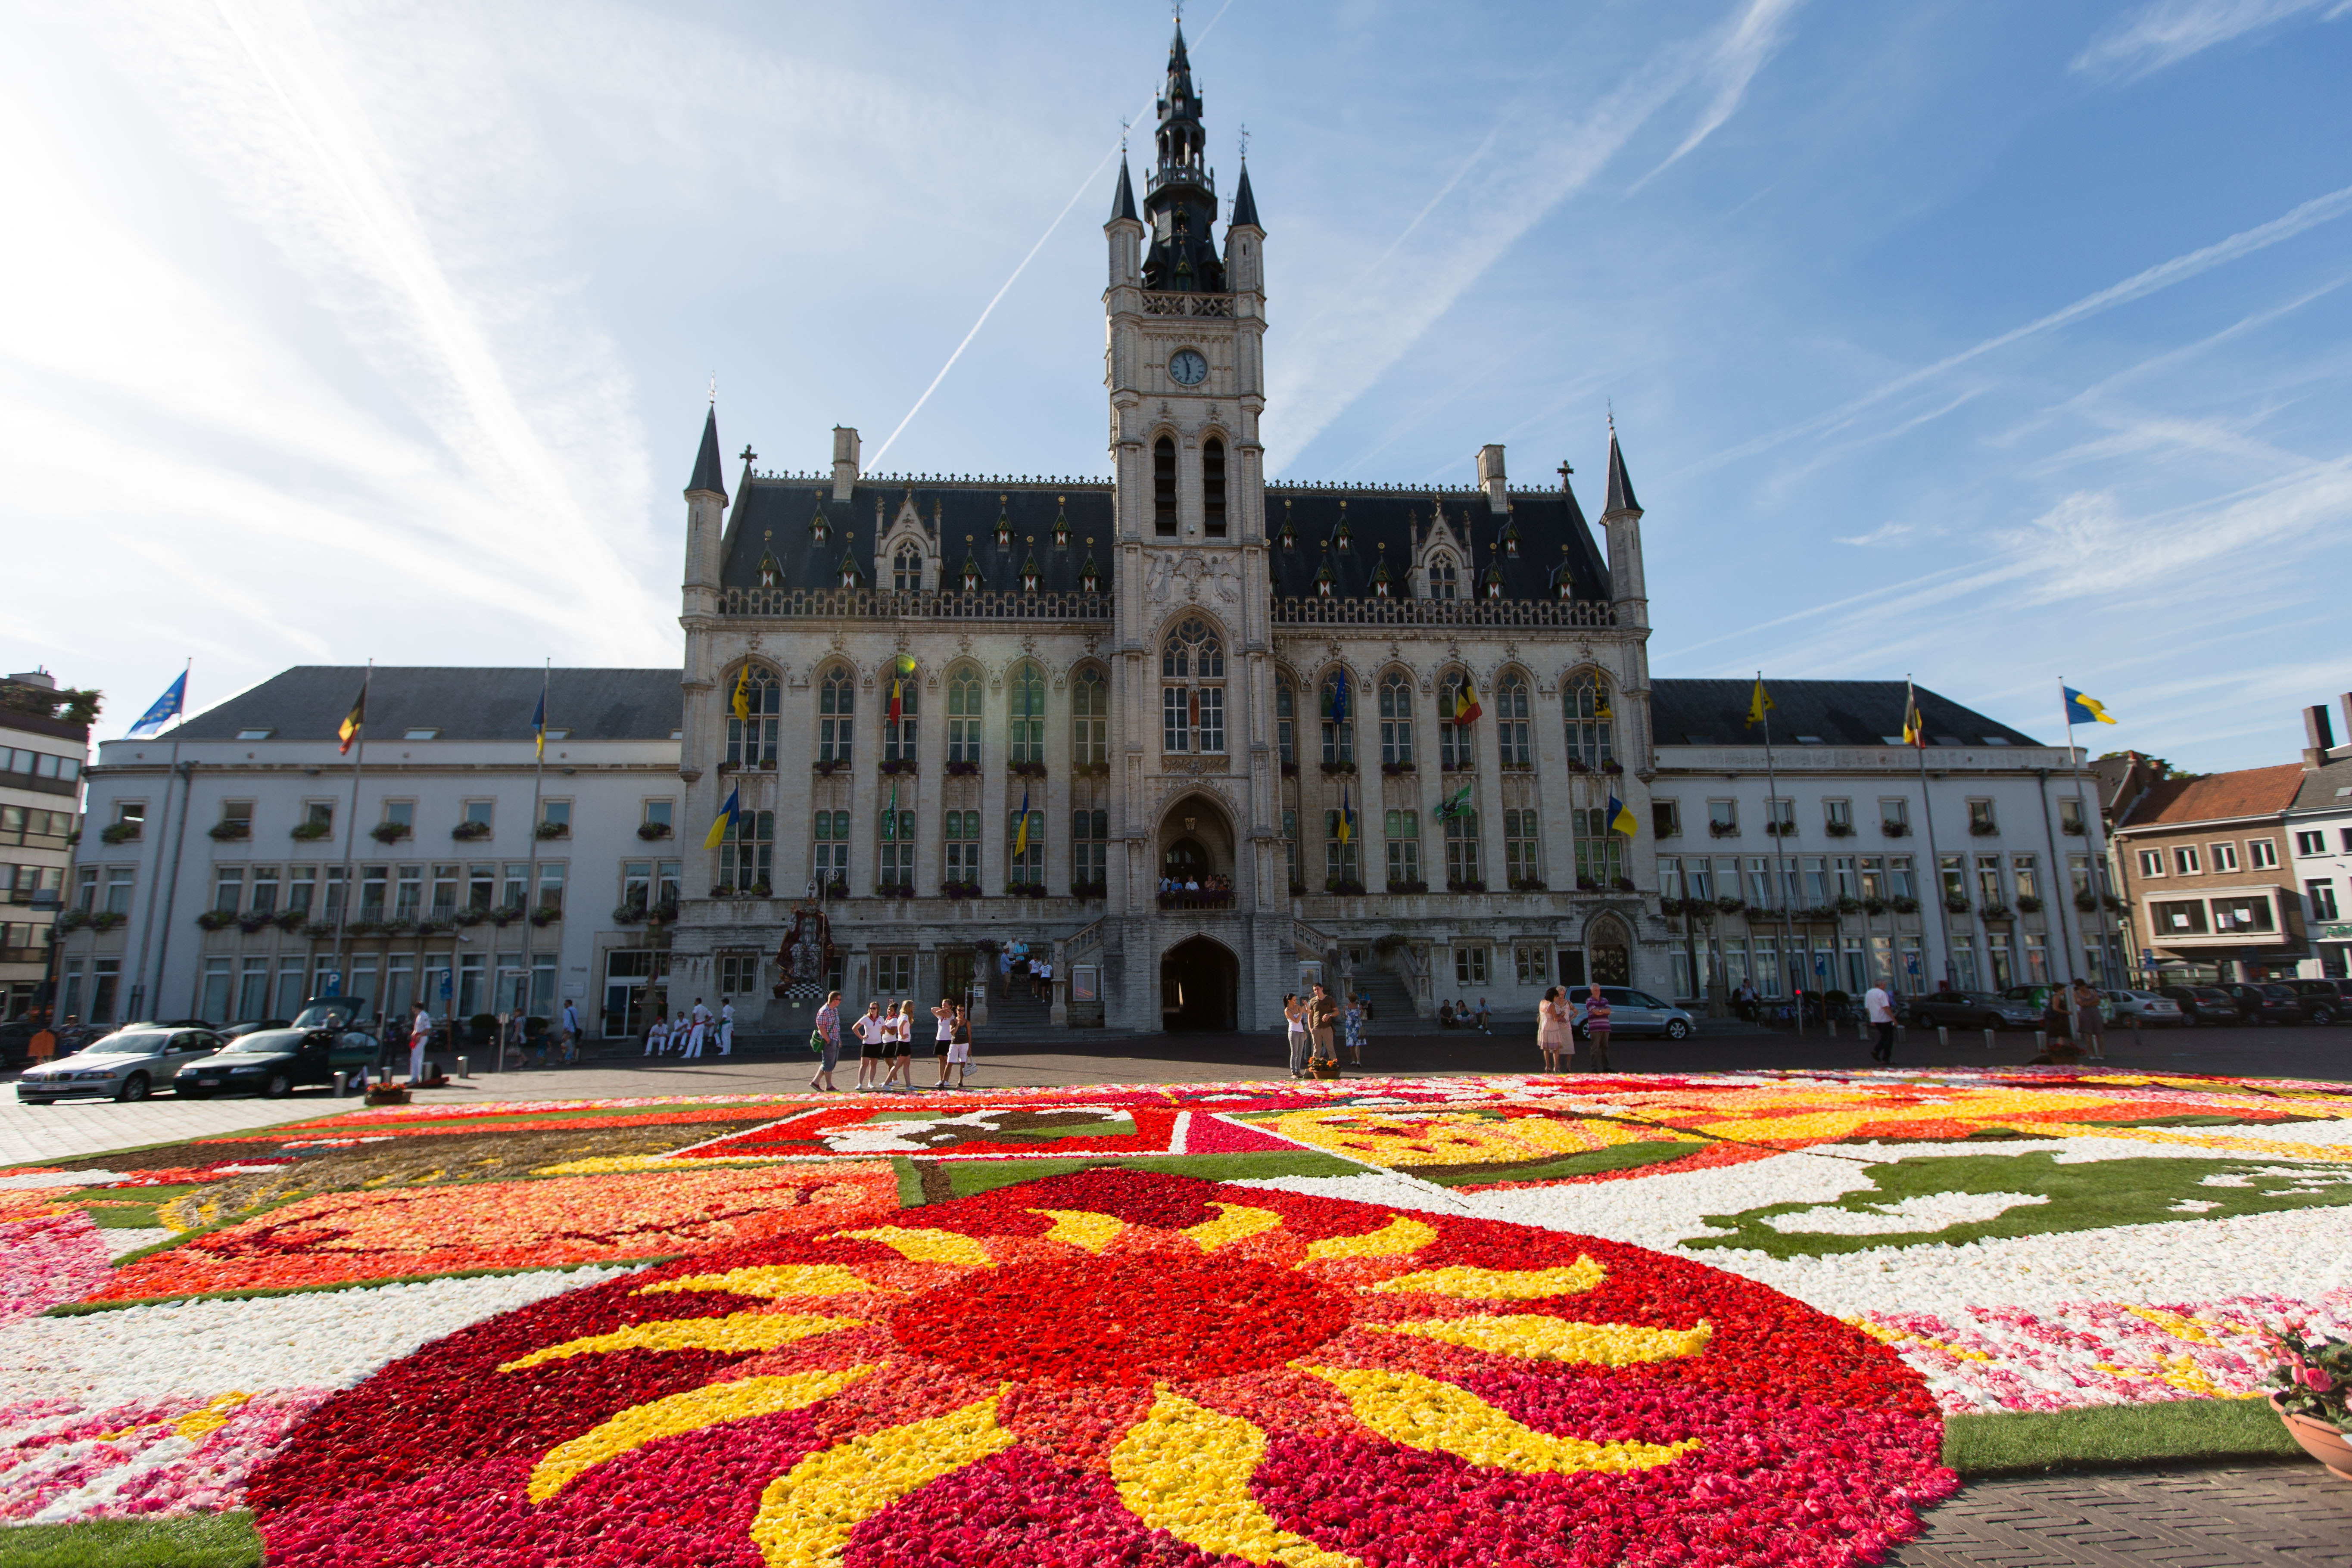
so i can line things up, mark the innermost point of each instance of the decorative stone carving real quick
(1211, 764)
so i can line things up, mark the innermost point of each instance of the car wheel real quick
(279, 1086)
(2323, 1015)
(1677, 1029)
(133, 1088)
(1990, 1021)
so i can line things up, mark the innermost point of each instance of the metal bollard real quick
(462, 1070)
(1943, 1036)
(1988, 1034)
(339, 1079)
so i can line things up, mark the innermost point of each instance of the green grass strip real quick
(190, 1541)
(2024, 1442)
(969, 1176)
(1587, 1162)
(910, 1181)
(84, 1309)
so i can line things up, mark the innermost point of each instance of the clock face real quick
(1189, 368)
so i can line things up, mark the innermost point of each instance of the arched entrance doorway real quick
(1199, 980)
(1612, 955)
(1185, 861)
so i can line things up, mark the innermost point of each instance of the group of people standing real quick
(693, 1029)
(1558, 1017)
(1309, 1025)
(885, 1042)
(1015, 963)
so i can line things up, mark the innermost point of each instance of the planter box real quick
(2320, 1441)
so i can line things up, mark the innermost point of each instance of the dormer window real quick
(971, 577)
(1567, 585)
(1029, 576)
(848, 575)
(1511, 542)
(1494, 585)
(1088, 579)
(907, 569)
(1344, 538)
(1323, 583)
(1444, 579)
(818, 527)
(1381, 580)
(1003, 523)
(1061, 524)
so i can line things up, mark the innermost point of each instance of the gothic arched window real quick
(1164, 487)
(1089, 718)
(1192, 689)
(1590, 722)
(907, 569)
(1396, 720)
(1338, 707)
(898, 705)
(1026, 707)
(1286, 721)
(1444, 581)
(752, 743)
(836, 702)
(963, 714)
(1456, 742)
(1511, 722)
(1212, 487)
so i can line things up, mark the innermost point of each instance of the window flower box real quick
(1392, 769)
(649, 832)
(251, 923)
(894, 890)
(1090, 890)
(2027, 905)
(390, 832)
(210, 920)
(229, 832)
(362, 927)
(663, 913)
(1534, 884)
(2072, 829)
(1090, 770)
(827, 765)
(1298, 890)
(1613, 767)
(1621, 883)
(71, 921)
(120, 834)
(468, 916)
(552, 830)
(311, 833)
(837, 888)
(1838, 830)
(1723, 830)
(1587, 885)
(470, 832)
(288, 919)
(1997, 911)
(319, 930)
(629, 914)
(1730, 905)
(1874, 906)
(1984, 830)
(108, 920)
(1470, 884)
(1338, 769)
(506, 914)
(434, 925)
(544, 916)
(2087, 902)
(897, 765)
(963, 769)
(1408, 887)
(1024, 890)
(1895, 829)
(1027, 770)
(1849, 906)
(1341, 885)
(1903, 906)
(762, 889)
(723, 890)
(1958, 903)
(959, 890)
(1290, 771)
(1780, 830)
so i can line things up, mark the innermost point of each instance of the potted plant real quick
(1958, 903)
(1586, 884)
(544, 915)
(1895, 829)
(2315, 1396)
(826, 765)
(2087, 902)
(108, 920)
(389, 832)
(1983, 830)
(553, 829)
(962, 770)
(210, 920)
(467, 832)
(228, 832)
(1613, 767)
(719, 890)
(506, 914)
(468, 915)
(761, 889)
(2027, 905)
(1839, 830)
(1723, 830)
(1903, 906)
(122, 833)
(252, 921)
(1578, 765)
(1997, 911)
(628, 913)
(1874, 906)
(651, 830)
(72, 920)
(311, 832)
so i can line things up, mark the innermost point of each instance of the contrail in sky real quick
(1083, 186)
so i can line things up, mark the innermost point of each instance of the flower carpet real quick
(1580, 1320)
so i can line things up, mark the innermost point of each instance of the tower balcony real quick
(1197, 175)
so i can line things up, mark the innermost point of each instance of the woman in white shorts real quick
(959, 1049)
(873, 1031)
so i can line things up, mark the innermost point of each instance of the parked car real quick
(2205, 1004)
(2269, 1002)
(1639, 1012)
(239, 1030)
(129, 1064)
(17, 1042)
(274, 1063)
(2147, 1009)
(2324, 1001)
(1975, 1010)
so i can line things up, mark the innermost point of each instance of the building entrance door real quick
(955, 973)
(1198, 983)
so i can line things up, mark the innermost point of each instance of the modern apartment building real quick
(43, 739)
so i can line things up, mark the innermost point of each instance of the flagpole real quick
(144, 993)
(351, 827)
(2082, 807)
(530, 873)
(1935, 877)
(1780, 877)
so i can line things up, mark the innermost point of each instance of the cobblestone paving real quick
(2290, 1515)
(35, 1135)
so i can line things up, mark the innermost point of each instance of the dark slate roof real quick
(774, 516)
(1553, 537)
(1621, 488)
(1842, 713)
(707, 475)
(308, 702)
(2324, 788)
(1122, 201)
(1244, 206)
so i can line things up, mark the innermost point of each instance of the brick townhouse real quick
(2204, 866)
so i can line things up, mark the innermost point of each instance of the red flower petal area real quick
(1816, 1445)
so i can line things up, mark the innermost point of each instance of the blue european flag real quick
(164, 709)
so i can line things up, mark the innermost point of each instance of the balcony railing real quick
(1532, 612)
(884, 604)
(1169, 303)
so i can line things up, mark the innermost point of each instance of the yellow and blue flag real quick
(2080, 709)
(1347, 817)
(1021, 833)
(726, 822)
(1621, 818)
(741, 702)
(539, 724)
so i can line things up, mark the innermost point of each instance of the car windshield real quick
(128, 1042)
(264, 1042)
(322, 1016)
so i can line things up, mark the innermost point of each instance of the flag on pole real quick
(1338, 704)
(1465, 702)
(539, 725)
(890, 816)
(1347, 817)
(900, 668)
(1759, 704)
(1021, 832)
(1620, 817)
(1914, 728)
(726, 822)
(2080, 709)
(349, 730)
(741, 701)
(1454, 805)
(164, 709)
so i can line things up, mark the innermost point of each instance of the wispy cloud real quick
(2168, 31)
(1750, 42)
(1890, 533)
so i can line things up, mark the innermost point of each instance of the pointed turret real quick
(1180, 199)
(1122, 202)
(707, 476)
(1621, 488)
(1245, 204)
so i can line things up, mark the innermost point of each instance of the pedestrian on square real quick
(420, 1035)
(658, 1036)
(726, 1027)
(1355, 1032)
(874, 1031)
(828, 1035)
(1596, 1030)
(959, 1050)
(2090, 1020)
(1293, 1029)
(1552, 1026)
(2058, 1019)
(1481, 1015)
(1321, 1014)
(959, 1029)
(1880, 1009)
(571, 1031)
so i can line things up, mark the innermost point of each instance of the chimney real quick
(1490, 478)
(2321, 736)
(2344, 702)
(845, 461)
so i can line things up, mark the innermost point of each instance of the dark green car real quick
(274, 1063)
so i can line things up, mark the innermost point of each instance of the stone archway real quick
(1608, 952)
(1200, 980)
(1196, 834)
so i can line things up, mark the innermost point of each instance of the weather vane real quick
(1245, 144)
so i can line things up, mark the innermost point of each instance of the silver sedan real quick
(129, 1064)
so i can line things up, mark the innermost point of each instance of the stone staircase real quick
(1016, 1017)
(1392, 999)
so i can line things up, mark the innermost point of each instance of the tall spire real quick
(707, 473)
(1122, 202)
(1181, 195)
(1621, 488)
(1245, 204)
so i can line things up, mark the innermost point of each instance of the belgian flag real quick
(349, 730)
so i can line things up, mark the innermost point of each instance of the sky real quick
(1983, 343)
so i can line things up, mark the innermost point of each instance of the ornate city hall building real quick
(1198, 737)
